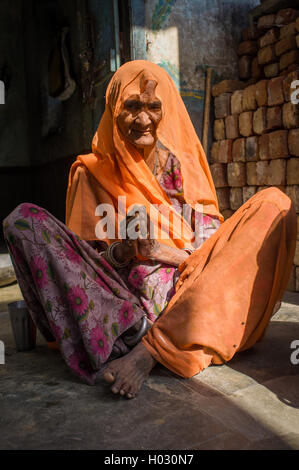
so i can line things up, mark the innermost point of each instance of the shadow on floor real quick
(43, 406)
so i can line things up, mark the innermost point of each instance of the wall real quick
(187, 36)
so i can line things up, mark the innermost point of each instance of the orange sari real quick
(229, 287)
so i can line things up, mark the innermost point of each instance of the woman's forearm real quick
(168, 254)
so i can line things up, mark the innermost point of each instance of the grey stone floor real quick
(250, 403)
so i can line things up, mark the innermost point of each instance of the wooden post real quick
(206, 119)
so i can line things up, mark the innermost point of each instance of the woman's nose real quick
(143, 119)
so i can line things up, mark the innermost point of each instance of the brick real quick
(264, 147)
(288, 58)
(266, 55)
(249, 99)
(214, 153)
(245, 123)
(271, 70)
(225, 151)
(261, 93)
(290, 115)
(289, 69)
(293, 142)
(259, 120)
(256, 69)
(238, 150)
(223, 198)
(270, 37)
(227, 213)
(277, 172)
(222, 105)
(297, 227)
(227, 86)
(232, 126)
(274, 145)
(266, 22)
(287, 29)
(252, 149)
(286, 44)
(274, 118)
(244, 64)
(286, 16)
(293, 171)
(250, 81)
(287, 82)
(297, 41)
(262, 173)
(275, 91)
(293, 193)
(236, 102)
(261, 188)
(219, 129)
(247, 48)
(249, 34)
(297, 24)
(251, 176)
(219, 175)
(236, 174)
(279, 144)
(248, 192)
(296, 257)
(236, 198)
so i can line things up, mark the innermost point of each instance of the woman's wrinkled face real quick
(140, 116)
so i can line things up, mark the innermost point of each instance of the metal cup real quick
(23, 328)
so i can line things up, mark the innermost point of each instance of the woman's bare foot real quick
(128, 373)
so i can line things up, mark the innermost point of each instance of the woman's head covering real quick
(120, 170)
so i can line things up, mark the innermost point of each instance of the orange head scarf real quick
(120, 170)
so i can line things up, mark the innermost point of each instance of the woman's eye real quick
(155, 106)
(131, 105)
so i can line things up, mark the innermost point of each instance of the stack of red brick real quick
(256, 127)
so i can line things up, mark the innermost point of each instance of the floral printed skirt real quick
(74, 296)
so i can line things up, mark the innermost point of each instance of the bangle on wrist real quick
(110, 258)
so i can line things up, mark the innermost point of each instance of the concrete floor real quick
(250, 403)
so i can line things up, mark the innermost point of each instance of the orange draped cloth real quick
(228, 288)
(117, 168)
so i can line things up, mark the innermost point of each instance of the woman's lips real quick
(142, 132)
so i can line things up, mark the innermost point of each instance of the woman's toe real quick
(109, 376)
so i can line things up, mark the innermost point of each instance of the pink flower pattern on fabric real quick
(137, 275)
(78, 362)
(78, 299)
(30, 210)
(99, 343)
(72, 255)
(125, 315)
(39, 270)
(166, 274)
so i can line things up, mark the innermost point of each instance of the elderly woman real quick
(117, 305)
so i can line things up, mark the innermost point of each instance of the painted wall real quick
(187, 36)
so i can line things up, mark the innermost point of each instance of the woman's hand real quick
(149, 248)
(128, 248)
